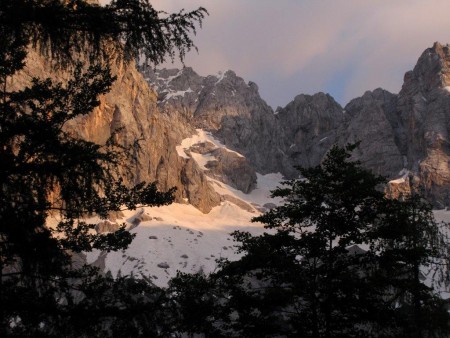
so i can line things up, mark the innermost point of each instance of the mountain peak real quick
(437, 46)
(443, 53)
(431, 72)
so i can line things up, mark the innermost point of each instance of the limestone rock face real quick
(195, 182)
(178, 90)
(132, 106)
(130, 109)
(226, 166)
(408, 131)
(423, 103)
(106, 226)
(397, 132)
(232, 169)
(400, 187)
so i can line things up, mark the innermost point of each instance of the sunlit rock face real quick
(130, 110)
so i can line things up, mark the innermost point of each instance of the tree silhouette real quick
(46, 169)
(326, 212)
(339, 260)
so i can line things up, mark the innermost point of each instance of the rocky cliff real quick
(130, 109)
(403, 136)
(227, 107)
(371, 119)
(400, 134)
(423, 111)
(407, 135)
(309, 126)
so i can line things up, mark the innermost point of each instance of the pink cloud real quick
(307, 42)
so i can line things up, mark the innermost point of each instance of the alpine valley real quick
(218, 142)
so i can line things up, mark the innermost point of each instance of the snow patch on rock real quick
(200, 137)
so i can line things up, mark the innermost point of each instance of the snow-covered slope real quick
(179, 237)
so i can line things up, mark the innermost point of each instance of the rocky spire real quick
(431, 72)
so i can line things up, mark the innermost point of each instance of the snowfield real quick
(181, 238)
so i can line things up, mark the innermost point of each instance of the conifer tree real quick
(40, 288)
(326, 212)
(339, 260)
(413, 266)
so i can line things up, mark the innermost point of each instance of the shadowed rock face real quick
(309, 126)
(397, 132)
(371, 120)
(229, 108)
(227, 166)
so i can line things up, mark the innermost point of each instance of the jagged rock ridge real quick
(229, 108)
(405, 134)
(399, 133)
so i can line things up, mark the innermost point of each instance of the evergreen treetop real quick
(66, 29)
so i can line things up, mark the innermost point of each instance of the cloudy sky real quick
(342, 47)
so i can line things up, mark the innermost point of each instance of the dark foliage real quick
(44, 290)
(339, 260)
(63, 29)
